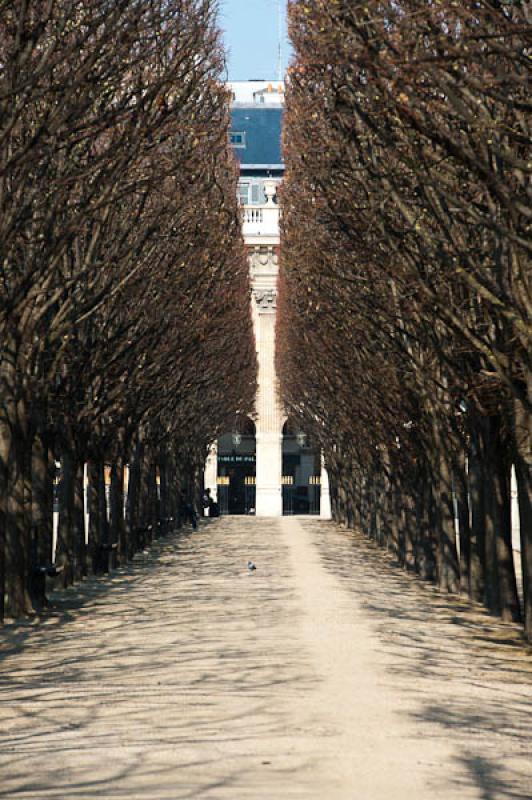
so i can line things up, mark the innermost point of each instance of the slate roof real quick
(262, 126)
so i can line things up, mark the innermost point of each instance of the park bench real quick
(49, 570)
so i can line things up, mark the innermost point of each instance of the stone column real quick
(325, 498)
(269, 498)
(211, 471)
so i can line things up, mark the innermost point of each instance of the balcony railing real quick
(260, 220)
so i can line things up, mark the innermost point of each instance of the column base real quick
(325, 498)
(325, 505)
(269, 502)
(269, 497)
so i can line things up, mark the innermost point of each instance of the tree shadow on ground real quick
(64, 604)
(468, 674)
(159, 682)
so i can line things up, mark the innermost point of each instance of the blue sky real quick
(251, 38)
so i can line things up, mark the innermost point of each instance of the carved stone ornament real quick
(264, 260)
(265, 298)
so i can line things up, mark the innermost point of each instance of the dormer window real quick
(238, 139)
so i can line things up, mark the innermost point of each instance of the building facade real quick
(265, 465)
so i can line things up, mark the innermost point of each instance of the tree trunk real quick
(408, 516)
(342, 504)
(94, 545)
(172, 491)
(4, 454)
(133, 494)
(448, 572)
(396, 521)
(7, 418)
(65, 535)
(18, 509)
(523, 472)
(153, 499)
(16, 552)
(501, 585)
(425, 548)
(165, 499)
(478, 518)
(386, 500)
(103, 516)
(464, 526)
(30, 556)
(376, 500)
(41, 520)
(122, 522)
(401, 524)
(79, 565)
(116, 504)
(117, 510)
(432, 521)
(334, 497)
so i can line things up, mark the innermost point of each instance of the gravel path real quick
(328, 673)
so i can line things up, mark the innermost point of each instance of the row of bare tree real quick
(404, 332)
(124, 324)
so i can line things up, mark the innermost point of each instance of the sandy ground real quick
(328, 673)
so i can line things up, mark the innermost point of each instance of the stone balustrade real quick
(260, 220)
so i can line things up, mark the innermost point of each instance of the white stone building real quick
(264, 466)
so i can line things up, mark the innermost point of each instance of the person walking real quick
(207, 502)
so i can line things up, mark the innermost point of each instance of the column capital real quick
(266, 299)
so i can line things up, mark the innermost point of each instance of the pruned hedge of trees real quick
(124, 318)
(404, 333)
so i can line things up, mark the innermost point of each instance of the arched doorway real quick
(237, 468)
(301, 472)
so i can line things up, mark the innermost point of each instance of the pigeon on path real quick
(251, 566)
